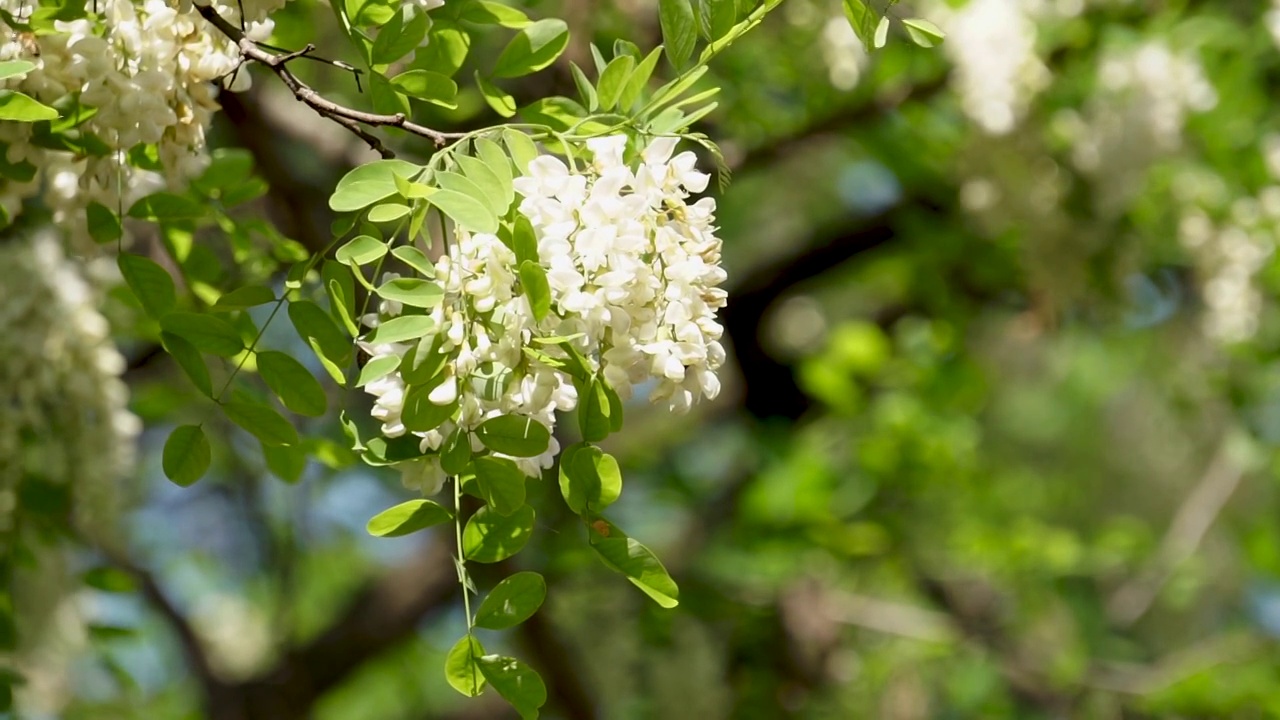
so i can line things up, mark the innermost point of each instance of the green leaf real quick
(614, 80)
(491, 380)
(388, 212)
(485, 12)
(361, 250)
(186, 455)
(401, 36)
(589, 478)
(446, 50)
(104, 226)
(424, 361)
(673, 90)
(149, 282)
(23, 108)
(190, 360)
(207, 332)
(491, 537)
(228, 169)
(615, 406)
(381, 172)
(534, 279)
(386, 99)
(286, 462)
(408, 517)
(359, 195)
(400, 329)
(296, 387)
(576, 365)
(420, 414)
(109, 579)
(524, 242)
(470, 213)
(515, 436)
(922, 32)
(518, 683)
(455, 454)
(245, 297)
(560, 113)
(723, 15)
(262, 422)
(585, 89)
(499, 164)
(412, 291)
(501, 101)
(882, 32)
(426, 85)
(318, 330)
(497, 190)
(635, 561)
(863, 20)
(533, 48)
(679, 30)
(460, 667)
(339, 285)
(378, 368)
(369, 12)
(521, 147)
(166, 207)
(501, 483)
(513, 601)
(415, 258)
(595, 411)
(461, 183)
(15, 68)
(626, 47)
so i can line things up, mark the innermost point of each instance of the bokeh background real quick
(998, 435)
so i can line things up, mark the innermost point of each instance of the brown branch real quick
(379, 616)
(349, 118)
(188, 641)
(1198, 512)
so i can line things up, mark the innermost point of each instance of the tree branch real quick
(189, 642)
(349, 118)
(379, 616)
(1198, 512)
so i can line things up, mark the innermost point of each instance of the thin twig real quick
(1195, 516)
(348, 118)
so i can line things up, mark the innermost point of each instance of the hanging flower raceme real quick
(606, 282)
(64, 419)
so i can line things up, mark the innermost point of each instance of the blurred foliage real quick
(983, 453)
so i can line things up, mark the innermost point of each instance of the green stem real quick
(250, 350)
(462, 563)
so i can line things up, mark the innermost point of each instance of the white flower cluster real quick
(1272, 20)
(63, 406)
(1144, 97)
(843, 53)
(1228, 254)
(997, 71)
(148, 68)
(633, 270)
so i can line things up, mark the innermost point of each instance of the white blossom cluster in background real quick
(997, 71)
(1272, 20)
(1229, 251)
(1144, 97)
(149, 69)
(63, 406)
(843, 53)
(633, 269)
